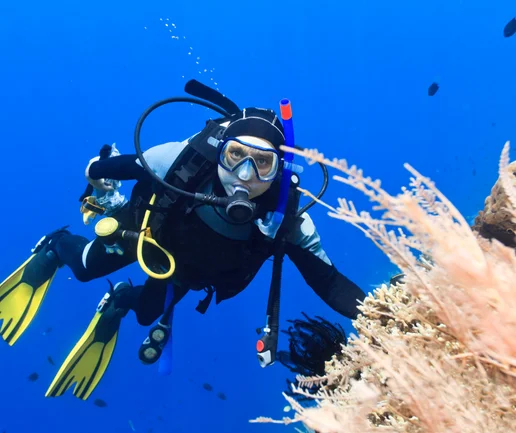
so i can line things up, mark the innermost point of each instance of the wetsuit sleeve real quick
(122, 167)
(337, 291)
(128, 167)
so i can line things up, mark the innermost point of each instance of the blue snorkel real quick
(272, 223)
(267, 345)
(288, 128)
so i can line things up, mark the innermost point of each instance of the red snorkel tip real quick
(285, 109)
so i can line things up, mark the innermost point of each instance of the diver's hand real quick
(99, 184)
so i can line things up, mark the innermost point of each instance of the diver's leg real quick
(148, 300)
(148, 303)
(22, 293)
(89, 359)
(151, 305)
(90, 260)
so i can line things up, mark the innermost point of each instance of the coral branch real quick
(436, 353)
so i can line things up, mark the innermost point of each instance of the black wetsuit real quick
(204, 256)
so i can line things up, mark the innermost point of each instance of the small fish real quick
(33, 377)
(207, 387)
(50, 360)
(432, 90)
(100, 403)
(222, 396)
(47, 331)
(510, 28)
(160, 418)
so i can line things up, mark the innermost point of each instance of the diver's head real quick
(249, 154)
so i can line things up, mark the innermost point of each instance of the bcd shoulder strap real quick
(191, 168)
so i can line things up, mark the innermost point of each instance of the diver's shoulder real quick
(168, 148)
(161, 157)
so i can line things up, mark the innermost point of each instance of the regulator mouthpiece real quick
(239, 208)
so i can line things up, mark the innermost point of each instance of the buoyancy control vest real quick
(204, 257)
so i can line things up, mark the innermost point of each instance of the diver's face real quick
(245, 176)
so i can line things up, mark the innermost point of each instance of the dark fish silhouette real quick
(510, 28)
(100, 403)
(50, 360)
(33, 377)
(47, 331)
(222, 396)
(432, 90)
(207, 387)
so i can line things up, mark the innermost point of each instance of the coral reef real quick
(495, 221)
(437, 352)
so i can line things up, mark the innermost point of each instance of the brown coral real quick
(495, 220)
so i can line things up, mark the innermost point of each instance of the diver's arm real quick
(122, 167)
(127, 167)
(305, 250)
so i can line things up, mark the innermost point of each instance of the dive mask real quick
(235, 155)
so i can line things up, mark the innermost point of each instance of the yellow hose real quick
(145, 236)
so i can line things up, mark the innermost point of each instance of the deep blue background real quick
(77, 74)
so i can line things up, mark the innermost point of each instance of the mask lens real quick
(265, 161)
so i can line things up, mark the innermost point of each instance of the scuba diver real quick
(205, 214)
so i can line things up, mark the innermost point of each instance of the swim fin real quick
(90, 358)
(22, 293)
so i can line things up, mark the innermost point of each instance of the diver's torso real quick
(210, 250)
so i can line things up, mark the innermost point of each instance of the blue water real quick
(77, 74)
